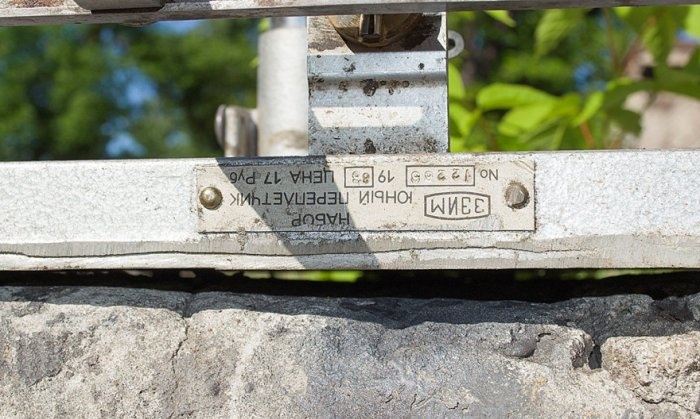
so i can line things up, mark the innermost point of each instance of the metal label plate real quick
(375, 195)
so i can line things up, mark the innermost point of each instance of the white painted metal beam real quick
(37, 12)
(364, 101)
(591, 209)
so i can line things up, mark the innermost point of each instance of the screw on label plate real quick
(210, 198)
(517, 196)
(372, 30)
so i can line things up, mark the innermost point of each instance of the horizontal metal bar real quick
(591, 209)
(39, 12)
(120, 4)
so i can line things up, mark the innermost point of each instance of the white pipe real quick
(283, 93)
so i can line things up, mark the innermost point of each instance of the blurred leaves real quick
(95, 91)
(193, 74)
(501, 16)
(692, 21)
(554, 26)
(656, 27)
(504, 96)
(562, 84)
(53, 101)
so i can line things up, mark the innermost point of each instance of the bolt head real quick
(517, 196)
(210, 198)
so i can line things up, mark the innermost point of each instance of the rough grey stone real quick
(87, 353)
(109, 352)
(658, 369)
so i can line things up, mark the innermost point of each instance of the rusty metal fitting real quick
(374, 30)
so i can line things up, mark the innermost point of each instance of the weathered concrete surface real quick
(658, 370)
(115, 352)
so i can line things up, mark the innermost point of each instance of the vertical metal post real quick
(236, 131)
(283, 89)
(378, 85)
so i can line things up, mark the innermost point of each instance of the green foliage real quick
(193, 73)
(563, 86)
(692, 21)
(503, 96)
(53, 102)
(554, 26)
(67, 91)
(655, 26)
(501, 16)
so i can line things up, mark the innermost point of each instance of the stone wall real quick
(99, 352)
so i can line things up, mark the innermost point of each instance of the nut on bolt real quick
(517, 196)
(210, 198)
